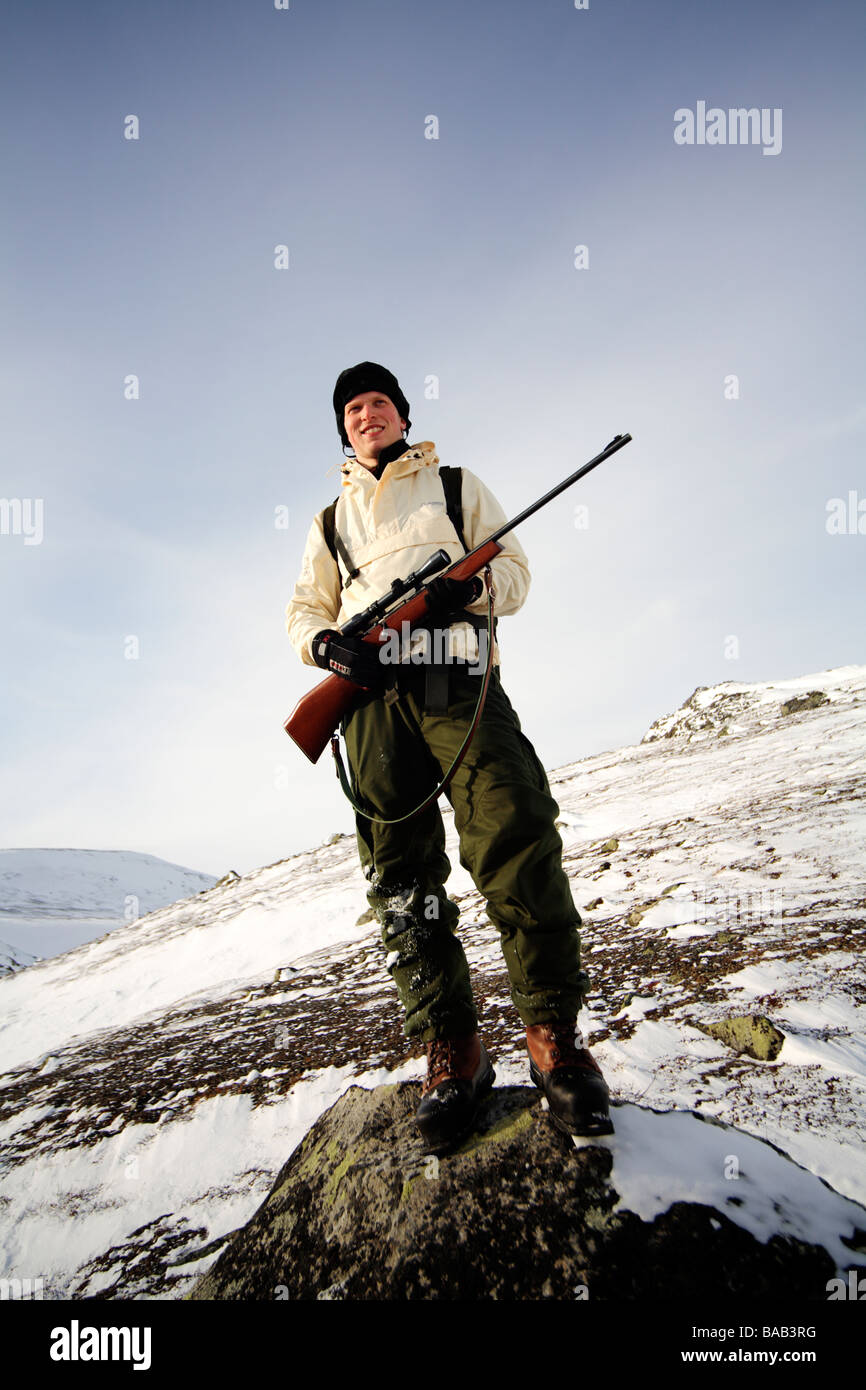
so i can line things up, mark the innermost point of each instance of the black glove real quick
(350, 657)
(447, 596)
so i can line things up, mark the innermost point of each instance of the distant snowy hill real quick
(52, 900)
(11, 958)
(730, 708)
(158, 1079)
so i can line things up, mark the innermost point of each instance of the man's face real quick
(372, 423)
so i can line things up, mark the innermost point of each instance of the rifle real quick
(318, 713)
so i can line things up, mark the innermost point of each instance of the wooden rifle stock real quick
(318, 713)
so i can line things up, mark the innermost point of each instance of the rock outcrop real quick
(519, 1212)
(752, 1034)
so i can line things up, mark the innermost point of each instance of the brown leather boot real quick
(571, 1079)
(459, 1074)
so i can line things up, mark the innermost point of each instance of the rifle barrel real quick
(611, 448)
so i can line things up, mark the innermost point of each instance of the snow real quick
(186, 1169)
(664, 1158)
(148, 966)
(758, 838)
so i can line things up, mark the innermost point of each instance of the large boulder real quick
(518, 1212)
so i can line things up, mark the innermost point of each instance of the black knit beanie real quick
(367, 376)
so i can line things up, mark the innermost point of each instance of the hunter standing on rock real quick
(402, 735)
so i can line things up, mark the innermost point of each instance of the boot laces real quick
(441, 1061)
(440, 1053)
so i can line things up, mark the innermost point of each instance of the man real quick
(402, 736)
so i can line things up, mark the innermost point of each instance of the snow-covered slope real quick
(158, 1079)
(52, 900)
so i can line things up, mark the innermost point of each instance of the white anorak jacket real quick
(390, 526)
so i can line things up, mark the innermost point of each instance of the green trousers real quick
(504, 814)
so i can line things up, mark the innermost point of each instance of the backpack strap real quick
(328, 522)
(452, 486)
(335, 543)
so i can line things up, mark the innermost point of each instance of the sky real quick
(166, 378)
